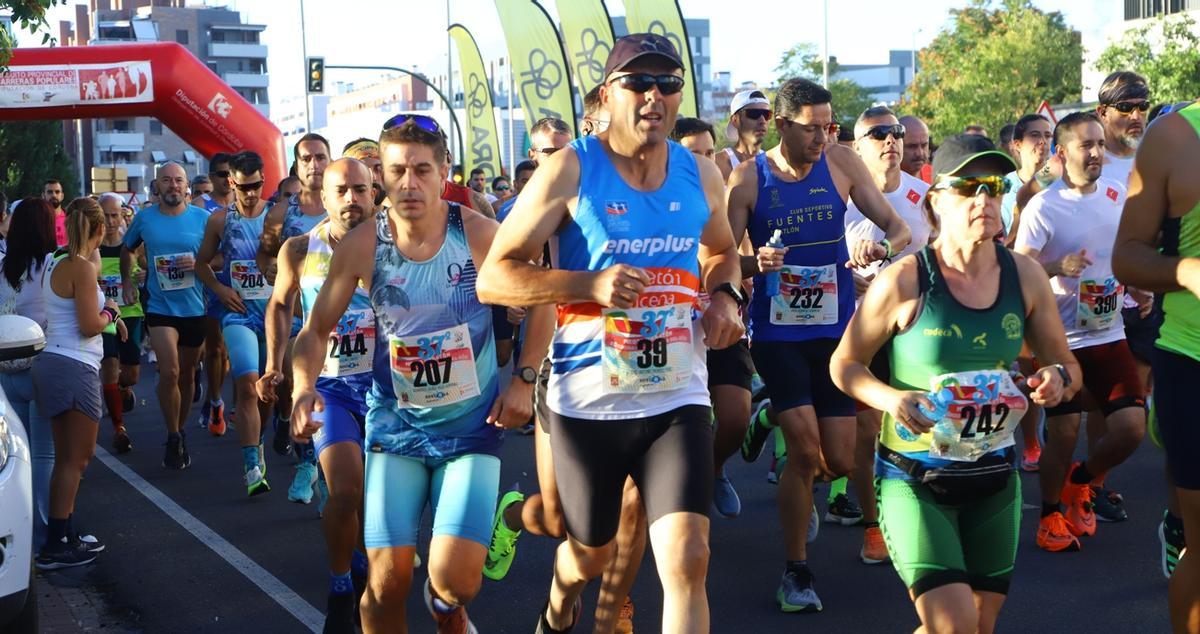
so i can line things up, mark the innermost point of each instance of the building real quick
(886, 82)
(700, 42)
(215, 35)
(1137, 13)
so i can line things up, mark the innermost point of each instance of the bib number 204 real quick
(430, 372)
(980, 421)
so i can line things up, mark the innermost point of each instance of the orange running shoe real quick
(1077, 498)
(216, 420)
(1030, 458)
(874, 550)
(1055, 534)
(625, 618)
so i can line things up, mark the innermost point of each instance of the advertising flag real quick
(482, 143)
(588, 35)
(543, 79)
(665, 18)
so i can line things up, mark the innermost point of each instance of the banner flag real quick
(482, 142)
(665, 18)
(588, 34)
(543, 78)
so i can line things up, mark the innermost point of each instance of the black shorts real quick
(1142, 333)
(669, 457)
(130, 350)
(190, 329)
(1175, 381)
(540, 389)
(501, 329)
(797, 373)
(731, 366)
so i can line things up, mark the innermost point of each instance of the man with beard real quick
(750, 113)
(171, 231)
(1124, 101)
(916, 148)
(52, 192)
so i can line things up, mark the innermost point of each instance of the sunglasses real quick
(502, 188)
(641, 82)
(759, 114)
(220, 173)
(544, 150)
(1126, 107)
(881, 132)
(248, 187)
(970, 186)
(429, 124)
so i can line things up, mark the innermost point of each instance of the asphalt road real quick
(243, 559)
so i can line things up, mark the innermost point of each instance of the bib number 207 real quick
(430, 372)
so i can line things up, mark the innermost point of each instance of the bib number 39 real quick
(647, 350)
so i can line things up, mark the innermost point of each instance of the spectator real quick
(201, 186)
(501, 188)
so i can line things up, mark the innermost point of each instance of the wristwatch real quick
(1066, 376)
(733, 291)
(527, 374)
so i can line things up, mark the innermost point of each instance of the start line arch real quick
(157, 79)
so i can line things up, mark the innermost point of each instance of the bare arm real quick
(1046, 336)
(741, 197)
(208, 250)
(480, 203)
(281, 305)
(885, 307)
(271, 241)
(723, 164)
(870, 201)
(127, 287)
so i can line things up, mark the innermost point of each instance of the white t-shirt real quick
(906, 200)
(1059, 221)
(1117, 168)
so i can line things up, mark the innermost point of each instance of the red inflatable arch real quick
(160, 79)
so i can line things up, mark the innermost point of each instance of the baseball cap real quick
(636, 46)
(957, 151)
(744, 99)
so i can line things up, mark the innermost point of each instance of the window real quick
(181, 36)
(120, 125)
(156, 127)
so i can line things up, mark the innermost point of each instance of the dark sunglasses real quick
(1126, 107)
(248, 187)
(881, 132)
(220, 173)
(502, 188)
(544, 150)
(970, 186)
(641, 82)
(429, 124)
(756, 113)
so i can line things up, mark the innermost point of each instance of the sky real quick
(747, 40)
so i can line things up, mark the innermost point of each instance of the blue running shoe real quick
(796, 593)
(725, 498)
(301, 490)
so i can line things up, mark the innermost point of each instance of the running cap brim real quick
(956, 152)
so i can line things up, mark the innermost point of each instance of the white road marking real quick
(304, 612)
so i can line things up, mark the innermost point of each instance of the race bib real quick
(647, 350)
(807, 296)
(977, 413)
(434, 369)
(111, 286)
(170, 278)
(249, 282)
(1099, 303)
(351, 345)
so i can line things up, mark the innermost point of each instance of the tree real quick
(992, 65)
(30, 153)
(849, 98)
(1165, 52)
(29, 15)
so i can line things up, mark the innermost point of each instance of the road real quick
(188, 552)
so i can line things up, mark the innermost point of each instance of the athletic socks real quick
(307, 452)
(797, 565)
(358, 564)
(250, 457)
(1050, 509)
(112, 400)
(836, 488)
(56, 530)
(1081, 475)
(340, 584)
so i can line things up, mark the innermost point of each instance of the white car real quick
(19, 338)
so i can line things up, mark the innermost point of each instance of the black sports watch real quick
(527, 374)
(1066, 376)
(733, 291)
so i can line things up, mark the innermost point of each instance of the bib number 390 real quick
(1099, 303)
(647, 349)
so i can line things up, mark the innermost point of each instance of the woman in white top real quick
(66, 375)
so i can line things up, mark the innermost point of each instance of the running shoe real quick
(758, 389)
(339, 614)
(198, 383)
(262, 458)
(455, 622)
(1031, 456)
(89, 542)
(874, 550)
(256, 481)
(176, 456)
(725, 498)
(121, 442)
(1056, 534)
(503, 548)
(282, 442)
(128, 399)
(216, 419)
(842, 510)
(625, 618)
(756, 434)
(1109, 505)
(814, 524)
(301, 490)
(1077, 499)
(544, 628)
(796, 593)
(205, 412)
(1173, 546)
(64, 554)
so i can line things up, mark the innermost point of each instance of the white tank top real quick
(734, 161)
(62, 326)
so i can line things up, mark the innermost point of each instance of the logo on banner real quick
(67, 84)
(543, 76)
(220, 105)
(592, 54)
(481, 146)
(658, 28)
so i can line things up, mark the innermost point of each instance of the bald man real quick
(916, 146)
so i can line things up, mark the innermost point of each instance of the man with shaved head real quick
(916, 147)
(303, 263)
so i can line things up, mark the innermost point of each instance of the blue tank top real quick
(816, 298)
(349, 353)
(295, 222)
(239, 244)
(434, 373)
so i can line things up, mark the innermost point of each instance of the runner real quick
(1124, 99)
(547, 136)
(344, 378)
(52, 192)
(216, 358)
(171, 231)
(595, 119)
(431, 431)
(880, 143)
(1006, 139)
(916, 148)
(234, 233)
(653, 406)
(795, 194)
(119, 370)
(201, 186)
(1163, 210)
(1069, 228)
(696, 135)
(749, 116)
(1031, 142)
(954, 546)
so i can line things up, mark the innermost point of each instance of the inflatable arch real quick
(158, 79)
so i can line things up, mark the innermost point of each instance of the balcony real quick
(263, 108)
(246, 80)
(120, 141)
(254, 51)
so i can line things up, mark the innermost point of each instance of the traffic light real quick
(316, 74)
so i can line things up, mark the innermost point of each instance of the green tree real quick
(1166, 52)
(28, 15)
(849, 98)
(30, 153)
(995, 62)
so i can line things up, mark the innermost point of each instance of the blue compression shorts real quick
(247, 350)
(342, 421)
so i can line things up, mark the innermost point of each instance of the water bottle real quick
(771, 280)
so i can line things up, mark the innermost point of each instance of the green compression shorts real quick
(934, 545)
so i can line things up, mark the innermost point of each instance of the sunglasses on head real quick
(881, 132)
(970, 186)
(220, 173)
(641, 82)
(1126, 107)
(248, 187)
(429, 124)
(756, 113)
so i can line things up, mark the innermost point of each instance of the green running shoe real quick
(256, 483)
(1173, 545)
(756, 434)
(504, 540)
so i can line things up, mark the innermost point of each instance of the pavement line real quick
(304, 612)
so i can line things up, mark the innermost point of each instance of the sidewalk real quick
(69, 602)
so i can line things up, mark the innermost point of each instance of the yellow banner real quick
(482, 143)
(543, 79)
(588, 34)
(665, 18)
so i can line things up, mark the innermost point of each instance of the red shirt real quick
(455, 193)
(60, 227)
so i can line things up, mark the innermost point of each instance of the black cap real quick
(957, 151)
(638, 45)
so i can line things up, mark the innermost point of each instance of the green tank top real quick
(110, 280)
(1180, 332)
(948, 337)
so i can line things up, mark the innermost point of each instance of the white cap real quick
(741, 100)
